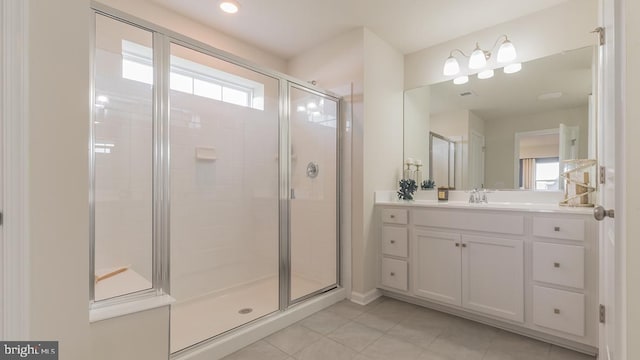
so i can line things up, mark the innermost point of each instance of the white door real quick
(493, 276)
(436, 266)
(610, 258)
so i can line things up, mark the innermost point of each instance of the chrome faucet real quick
(483, 197)
(473, 196)
(478, 196)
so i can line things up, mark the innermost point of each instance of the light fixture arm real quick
(498, 40)
(460, 51)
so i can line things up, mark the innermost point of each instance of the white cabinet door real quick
(436, 266)
(493, 276)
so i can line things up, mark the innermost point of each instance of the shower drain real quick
(245, 311)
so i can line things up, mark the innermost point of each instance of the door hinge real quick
(603, 175)
(1, 218)
(600, 31)
(603, 314)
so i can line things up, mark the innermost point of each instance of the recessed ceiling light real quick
(550, 95)
(229, 6)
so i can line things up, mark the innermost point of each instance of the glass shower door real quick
(224, 171)
(314, 190)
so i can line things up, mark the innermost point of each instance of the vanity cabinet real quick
(531, 271)
(480, 273)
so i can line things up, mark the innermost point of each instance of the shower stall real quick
(213, 180)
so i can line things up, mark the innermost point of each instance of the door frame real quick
(14, 272)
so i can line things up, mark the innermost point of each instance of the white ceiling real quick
(289, 27)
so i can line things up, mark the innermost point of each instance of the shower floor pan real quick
(197, 320)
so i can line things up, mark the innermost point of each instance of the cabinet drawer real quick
(559, 264)
(394, 241)
(559, 310)
(394, 274)
(394, 216)
(567, 229)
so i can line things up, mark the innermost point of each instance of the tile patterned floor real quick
(393, 330)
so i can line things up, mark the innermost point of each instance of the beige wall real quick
(541, 34)
(360, 58)
(500, 141)
(58, 174)
(631, 14)
(382, 143)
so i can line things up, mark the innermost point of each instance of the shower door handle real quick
(293, 194)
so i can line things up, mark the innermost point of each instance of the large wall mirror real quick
(511, 131)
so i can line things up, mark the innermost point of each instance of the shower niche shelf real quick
(206, 154)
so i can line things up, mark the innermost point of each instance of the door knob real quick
(600, 213)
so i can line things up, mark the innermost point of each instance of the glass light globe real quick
(477, 59)
(461, 80)
(451, 66)
(507, 52)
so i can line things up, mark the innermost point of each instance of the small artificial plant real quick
(428, 184)
(407, 188)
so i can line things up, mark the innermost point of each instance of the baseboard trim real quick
(366, 298)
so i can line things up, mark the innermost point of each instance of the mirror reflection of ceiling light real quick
(550, 95)
(461, 80)
(485, 74)
(479, 58)
(301, 108)
(311, 105)
(512, 68)
(229, 6)
(102, 99)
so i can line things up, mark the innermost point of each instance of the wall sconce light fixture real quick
(478, 61)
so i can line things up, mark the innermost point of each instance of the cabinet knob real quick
(556, 228)
(556, 264)
(392, 216)
(556, 311)
(457, 244)
(464, 245)
(392, 274)
(392, 241)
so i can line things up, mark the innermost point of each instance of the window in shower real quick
(122, 158)
(192, 78)
(224, 141)
(313, 207)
